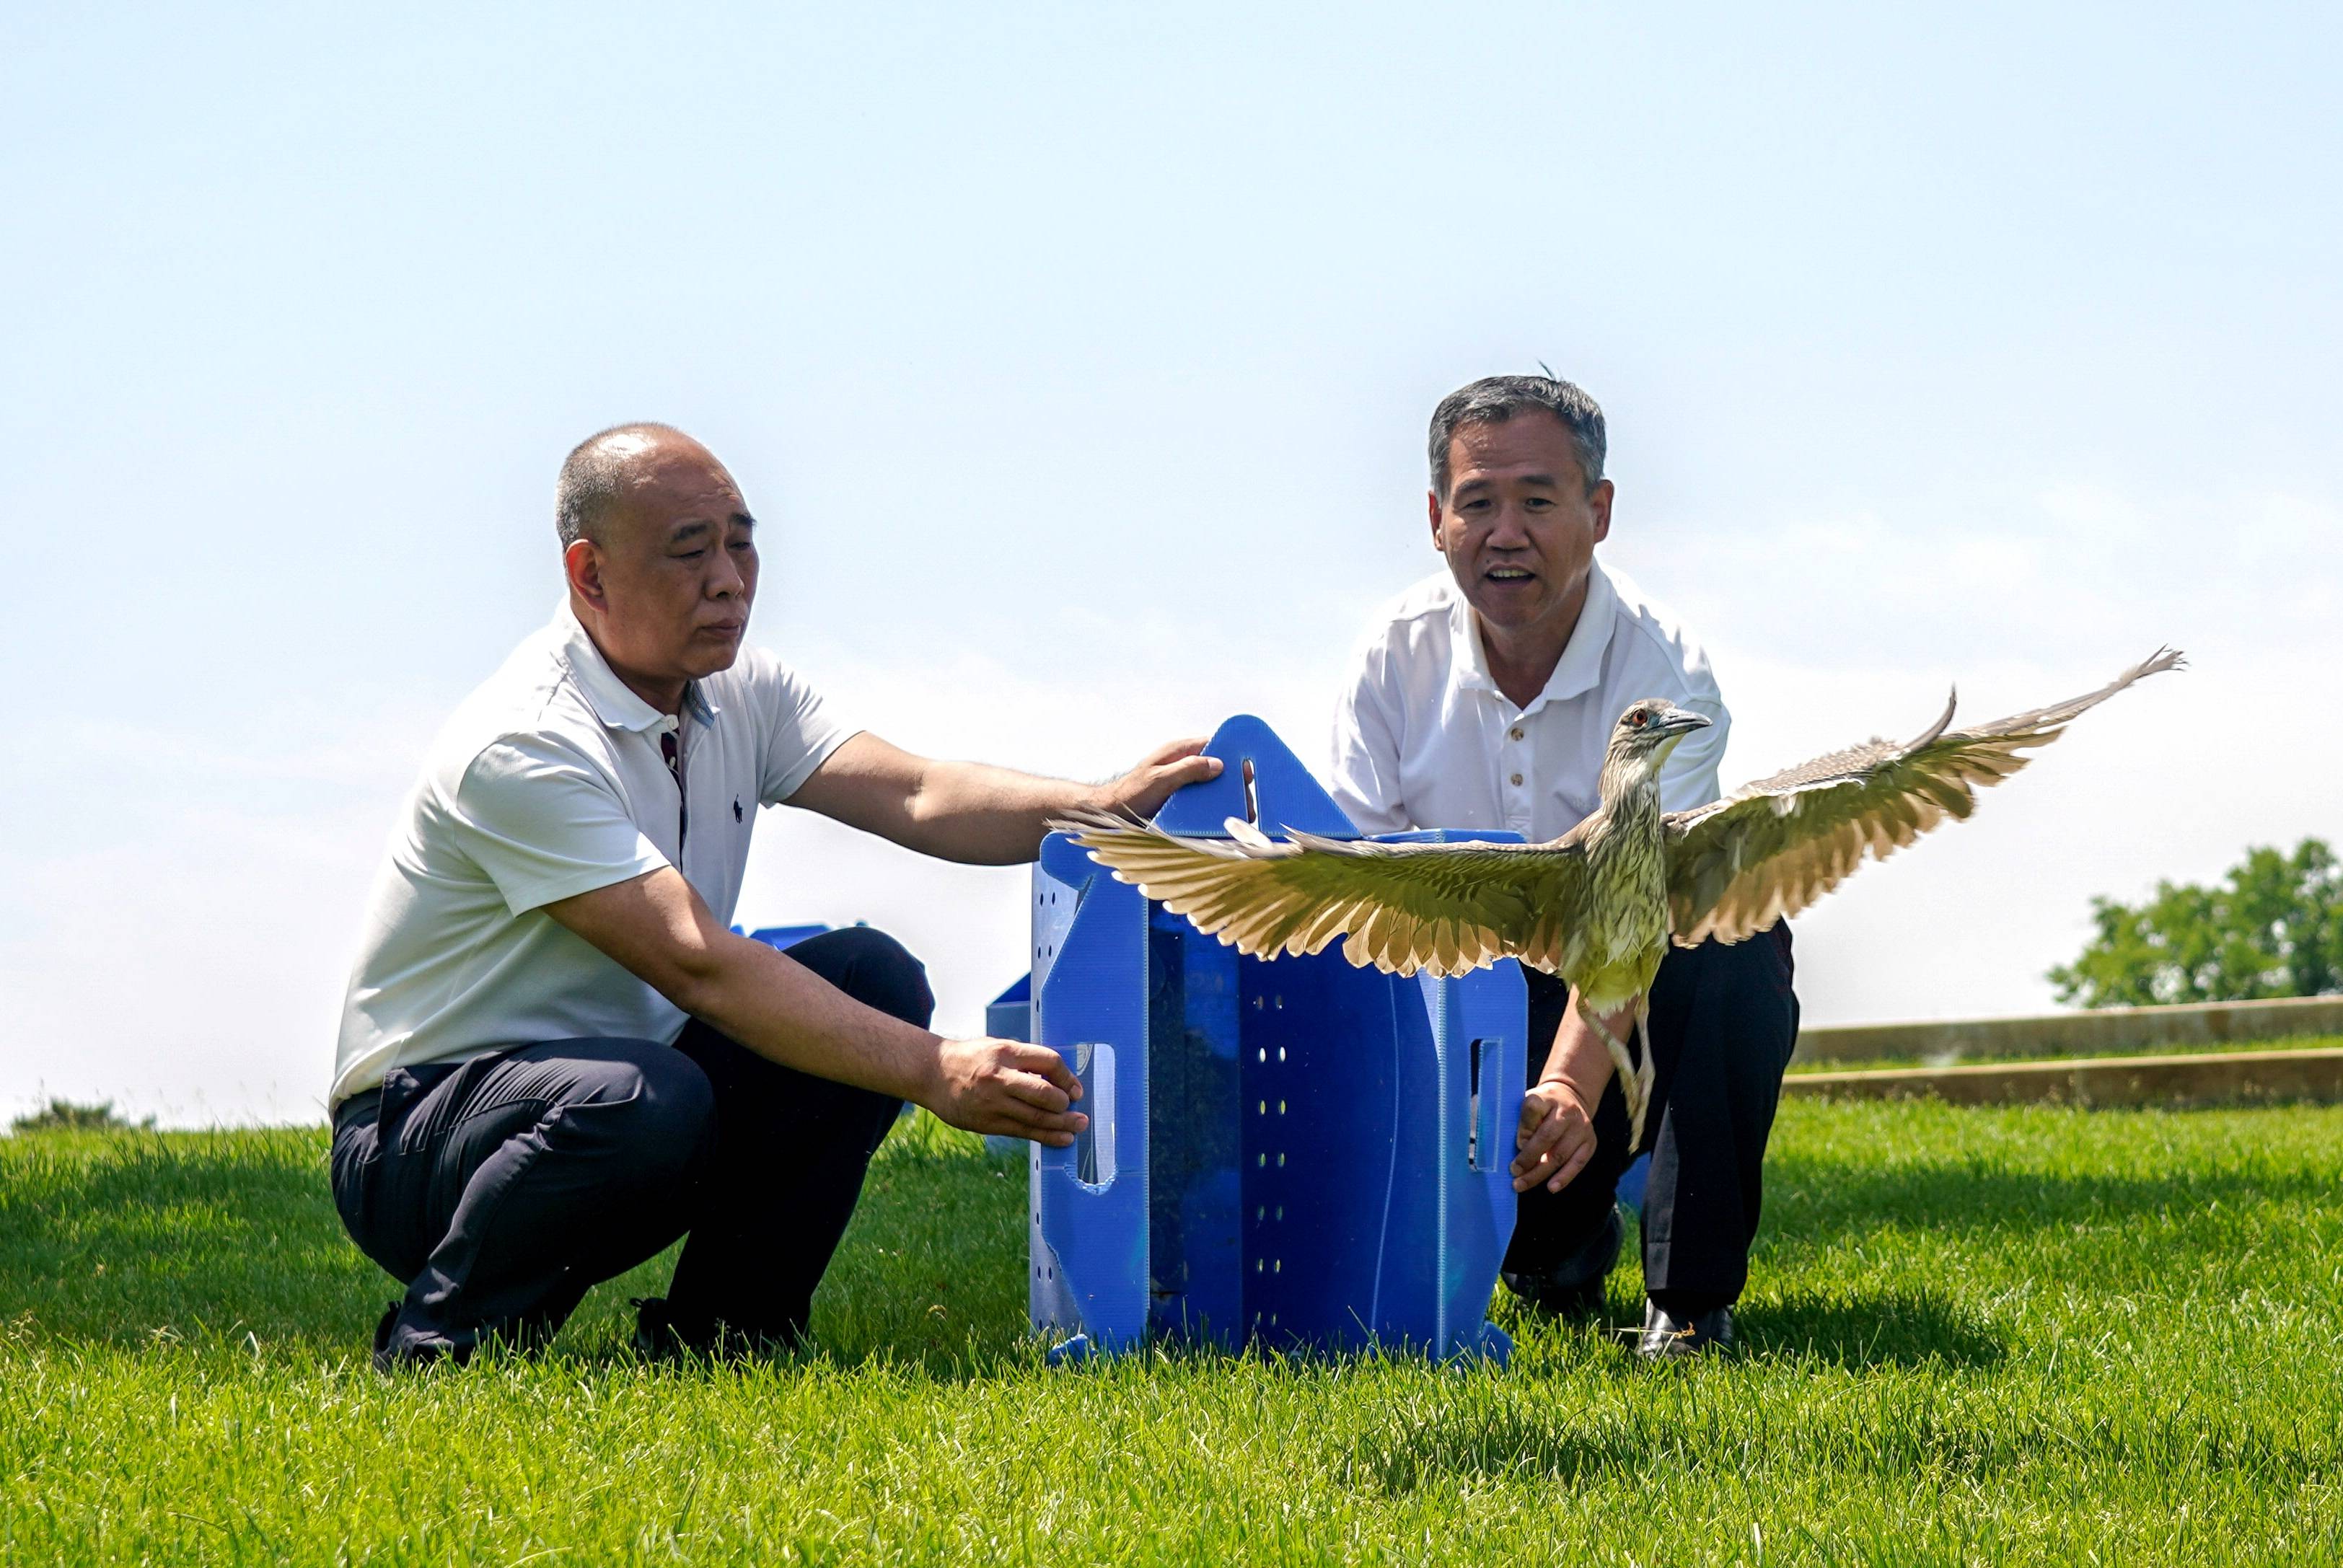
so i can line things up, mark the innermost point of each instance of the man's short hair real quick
(1494, 399)
(594, 477)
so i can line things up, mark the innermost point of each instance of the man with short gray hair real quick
(1483, 698)
(555, 1058)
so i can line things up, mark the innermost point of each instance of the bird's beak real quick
(1680, 721)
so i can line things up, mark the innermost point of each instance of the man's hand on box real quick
(1007, 1086)
(1142, 791)
(1556, 1138)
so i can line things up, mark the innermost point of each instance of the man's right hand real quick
(1556, 1136)
(1007, 1086)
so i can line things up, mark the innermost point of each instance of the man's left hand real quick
(1141, 791)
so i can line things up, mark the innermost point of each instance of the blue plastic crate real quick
(1633, 1180)
(1295, 1153)
(782, 937)
(1010, 1015)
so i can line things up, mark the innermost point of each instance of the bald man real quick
(555, 1056)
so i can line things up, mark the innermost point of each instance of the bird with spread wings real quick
(1598, 906)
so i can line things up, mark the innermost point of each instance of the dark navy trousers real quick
(1722, 1022)
(500, 1189)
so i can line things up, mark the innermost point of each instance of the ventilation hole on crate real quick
(1261, 1213)
(1277, 1266)
(1257, 1265)
(1262, 1055)
(1253, 802)
(1281, 1210)
(1280, 1053)
(1281, 1108)
(1261, 1158)
(1280, 1161)
(1278, 1003)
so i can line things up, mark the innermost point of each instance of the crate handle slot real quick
(1091, 1158)
(1480, 1148)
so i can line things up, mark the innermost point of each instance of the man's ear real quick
(581, 563)
(1432, 501)
(1598, 501)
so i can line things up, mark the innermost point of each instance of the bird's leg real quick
(1644, 1072)
(1633, 1082)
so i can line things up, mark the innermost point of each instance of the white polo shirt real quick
(550, 782)
(1423, 739)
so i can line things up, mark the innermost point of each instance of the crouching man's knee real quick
(872, 968)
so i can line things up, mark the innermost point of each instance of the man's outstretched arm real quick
(658, 929)
(976, 814)
(1556, 1136)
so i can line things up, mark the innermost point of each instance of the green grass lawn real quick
(1974, 1336)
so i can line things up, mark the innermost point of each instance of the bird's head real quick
(1649, 729)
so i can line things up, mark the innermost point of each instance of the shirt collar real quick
(1578, 670)
(614, 702)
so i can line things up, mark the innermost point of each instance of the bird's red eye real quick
(1639, 718)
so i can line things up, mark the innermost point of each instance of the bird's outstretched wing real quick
(1449, 909)
(1772, 848)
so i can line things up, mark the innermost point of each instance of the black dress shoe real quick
(414, 1353)
(656, 1339)
(661, 1336)
(1668, 1338)
(1574, 1288)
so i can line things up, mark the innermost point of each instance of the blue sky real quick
(1077, 363)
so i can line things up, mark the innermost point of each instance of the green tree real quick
(65, 1116)
(2272, 926)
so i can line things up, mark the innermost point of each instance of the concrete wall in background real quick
(2081, 1033)
(2313, 1076)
